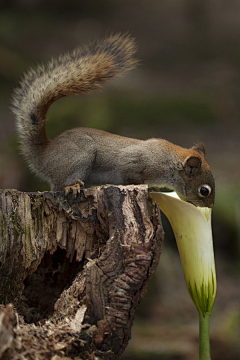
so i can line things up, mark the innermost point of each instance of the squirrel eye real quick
(204, 190)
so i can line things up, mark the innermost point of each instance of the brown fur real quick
(95, 156)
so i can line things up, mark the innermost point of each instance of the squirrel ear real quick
(192, 165)
(200, 148)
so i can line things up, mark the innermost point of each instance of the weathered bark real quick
(75, 270)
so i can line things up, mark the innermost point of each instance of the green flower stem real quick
(204, 342)
(193, 232)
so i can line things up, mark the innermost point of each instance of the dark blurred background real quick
(186, 89)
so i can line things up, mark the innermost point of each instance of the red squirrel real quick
(95, 156)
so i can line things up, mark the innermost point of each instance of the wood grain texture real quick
(85, 261)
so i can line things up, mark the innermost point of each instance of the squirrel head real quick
(198, 179)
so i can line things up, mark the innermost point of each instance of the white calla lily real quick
(193, 232)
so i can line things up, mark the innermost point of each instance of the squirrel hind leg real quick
(75, 189)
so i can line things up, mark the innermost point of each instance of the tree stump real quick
(75, 270)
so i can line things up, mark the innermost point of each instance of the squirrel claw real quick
(75, 189)
(154, 188)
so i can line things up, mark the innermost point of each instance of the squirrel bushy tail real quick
(81, 71)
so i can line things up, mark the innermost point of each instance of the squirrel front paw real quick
(75, 189)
